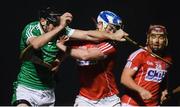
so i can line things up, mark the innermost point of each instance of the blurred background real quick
(137, 15)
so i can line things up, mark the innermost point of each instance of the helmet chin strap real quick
(155, 50)
(159, 50)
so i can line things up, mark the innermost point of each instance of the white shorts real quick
(35, 97)
(126, 105)
(111, 101)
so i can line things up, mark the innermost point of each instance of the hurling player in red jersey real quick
(95, 65)
(144, 73)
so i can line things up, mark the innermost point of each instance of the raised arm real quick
(39, 41)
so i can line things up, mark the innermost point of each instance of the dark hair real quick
(50, 14)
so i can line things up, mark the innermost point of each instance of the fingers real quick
(65, 19)
(55, 65)
(124, 33)
(119, 34)
(146, 95)
(68, 17)
(122, 40)
(163, 99)
(164, 96)
(62, 39)
(55, 69)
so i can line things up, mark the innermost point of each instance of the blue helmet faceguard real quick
(107, 17)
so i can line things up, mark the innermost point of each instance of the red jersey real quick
(96, 77)
(150, 73)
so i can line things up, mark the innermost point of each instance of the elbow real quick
(123, 79)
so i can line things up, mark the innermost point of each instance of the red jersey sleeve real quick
(135, 60)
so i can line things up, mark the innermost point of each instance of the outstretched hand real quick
(119, 34)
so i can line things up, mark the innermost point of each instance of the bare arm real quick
(176, 90)
(82, 53)
(95, 35)
(39, 41)
(167, 95)
(127, 80)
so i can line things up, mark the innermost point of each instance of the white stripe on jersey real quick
(29, 31)
(134, 54)
(105, 47)
(27, 41)
(131, 57)
(40, 28)
(128, 64)
(140, 79)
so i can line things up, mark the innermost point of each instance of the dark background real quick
(137, 16)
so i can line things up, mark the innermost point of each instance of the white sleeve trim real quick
(69, 31)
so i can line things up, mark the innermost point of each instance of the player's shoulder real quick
(138, 52)
(30, 24)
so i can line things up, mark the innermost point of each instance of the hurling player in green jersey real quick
(35, 83)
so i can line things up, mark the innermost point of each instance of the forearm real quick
(118, 35)
(81, 53)
(176, 90)
(99, 34)
(129, 82)
(91, 35)
(45, 38)
(70, 51)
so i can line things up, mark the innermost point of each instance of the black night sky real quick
(137, 16)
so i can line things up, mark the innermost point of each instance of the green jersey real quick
(33, 75)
